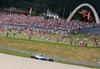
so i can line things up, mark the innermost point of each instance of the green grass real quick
(74, 52)
(25, 55)
(52, 37)
(13, 53)
(78, 64)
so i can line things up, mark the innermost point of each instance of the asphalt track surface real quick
(16, 62)
(55, 58)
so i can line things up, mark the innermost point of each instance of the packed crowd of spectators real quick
(40, 22)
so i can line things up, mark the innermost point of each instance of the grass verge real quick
(25, 55)
(73, 52)
(13, 53)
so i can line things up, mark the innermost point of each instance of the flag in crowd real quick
(30, 12)
(88, 17)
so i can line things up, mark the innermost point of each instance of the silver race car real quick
(41, 57)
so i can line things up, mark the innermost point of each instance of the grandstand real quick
(39, 22)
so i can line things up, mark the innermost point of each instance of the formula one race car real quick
(41, 57)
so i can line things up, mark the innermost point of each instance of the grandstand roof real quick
(13, 10)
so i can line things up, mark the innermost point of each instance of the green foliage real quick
(40, 6)
(35, 14)
(45, 17)
(27, 13)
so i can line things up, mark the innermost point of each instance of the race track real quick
(16, 62)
